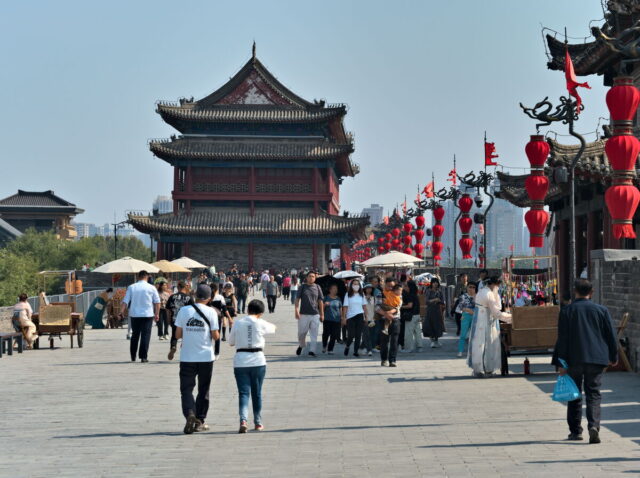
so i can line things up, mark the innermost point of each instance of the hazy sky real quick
(423, 80)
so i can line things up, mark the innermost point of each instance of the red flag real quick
(428, 190)
(489, 154)
(572, 81)
(452, 177)
(417, 198)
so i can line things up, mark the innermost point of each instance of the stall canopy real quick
(126, 265)
(188, 263)
(169, 267)
(391, 259)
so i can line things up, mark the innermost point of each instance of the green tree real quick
(17, 275)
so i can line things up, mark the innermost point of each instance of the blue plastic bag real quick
(566, 389)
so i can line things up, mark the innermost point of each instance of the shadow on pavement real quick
(610, 459)
(502, 444)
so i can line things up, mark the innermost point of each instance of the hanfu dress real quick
(484, 355)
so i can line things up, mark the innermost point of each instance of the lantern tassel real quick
(623, 231)
(467, 256)
(536, 241)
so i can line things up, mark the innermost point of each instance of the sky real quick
(423, 81)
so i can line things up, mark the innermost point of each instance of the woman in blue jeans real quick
(466, 306)
(249, 363)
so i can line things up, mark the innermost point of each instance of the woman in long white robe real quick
(484, 355)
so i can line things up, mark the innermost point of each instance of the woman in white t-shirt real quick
(249, 362)
(353, 315)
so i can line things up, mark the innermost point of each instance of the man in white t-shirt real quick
(197, 326)
(249, 363)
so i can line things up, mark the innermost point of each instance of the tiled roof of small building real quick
(37, 199)
(224, 223)
(207, 148)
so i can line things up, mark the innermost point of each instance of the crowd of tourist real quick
(384, 314)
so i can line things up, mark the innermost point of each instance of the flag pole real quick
(455, 234)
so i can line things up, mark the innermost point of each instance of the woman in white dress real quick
(484, 342)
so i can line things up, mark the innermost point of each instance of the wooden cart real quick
(59, 318)
(533, 327)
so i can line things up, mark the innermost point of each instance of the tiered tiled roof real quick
(37, 200)
(226, 148)
(224, 223)
(247, 113)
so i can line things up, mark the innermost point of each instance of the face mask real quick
(356, 288)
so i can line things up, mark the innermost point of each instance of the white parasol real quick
(169, 267)
(126, 265)
(391, 259)
(348, 275)
(188, 263)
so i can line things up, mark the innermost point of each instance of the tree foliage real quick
(24, 257)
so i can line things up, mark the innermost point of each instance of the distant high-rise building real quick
(162, 205)
(505, 225)
(375, 213)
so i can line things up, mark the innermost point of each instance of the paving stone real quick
(91, 412)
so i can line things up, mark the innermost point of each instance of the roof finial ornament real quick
(253, 50)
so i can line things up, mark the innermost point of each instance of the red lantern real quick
(438, 230)
(395, 232)
(465, 224)
(381, 240)
(622, 201)
(537, 187)
(408, 250)
(536, 220)
(466, 243)
(537, 151)
(407, 227)
(419, 234)
(420, 222)
(407, 240)
(438, 213)
(465, 203)
(436, 248)
(419, 248)
(481, 249)
(623, 99)
(535, 263)
(387, 246)
(418, 255)
(395, 243)
(622, 152)
(388, 237)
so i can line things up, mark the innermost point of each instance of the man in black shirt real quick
(587, 342)
(241, 285)
(174, 303)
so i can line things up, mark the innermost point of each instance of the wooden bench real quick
(7, 339)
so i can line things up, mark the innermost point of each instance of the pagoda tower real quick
(257, 173)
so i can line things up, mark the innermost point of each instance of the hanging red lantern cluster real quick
(419, 235)
(537, 185)
(438, 231)
(622, 149)
(465, 203)
(395, 242)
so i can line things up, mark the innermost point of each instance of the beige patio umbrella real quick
(188, 263)
(169, 267)
(126, 265)
(391, 259)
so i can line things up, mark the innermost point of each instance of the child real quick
(391, 302)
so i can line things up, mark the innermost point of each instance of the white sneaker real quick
(433, 344)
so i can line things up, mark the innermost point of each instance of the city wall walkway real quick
(91, 412)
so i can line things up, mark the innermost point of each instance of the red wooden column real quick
(314, 253)
(314, 189)
(250, 254)
(159, 250)
(252, 190)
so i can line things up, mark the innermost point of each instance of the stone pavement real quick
(92, 413)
